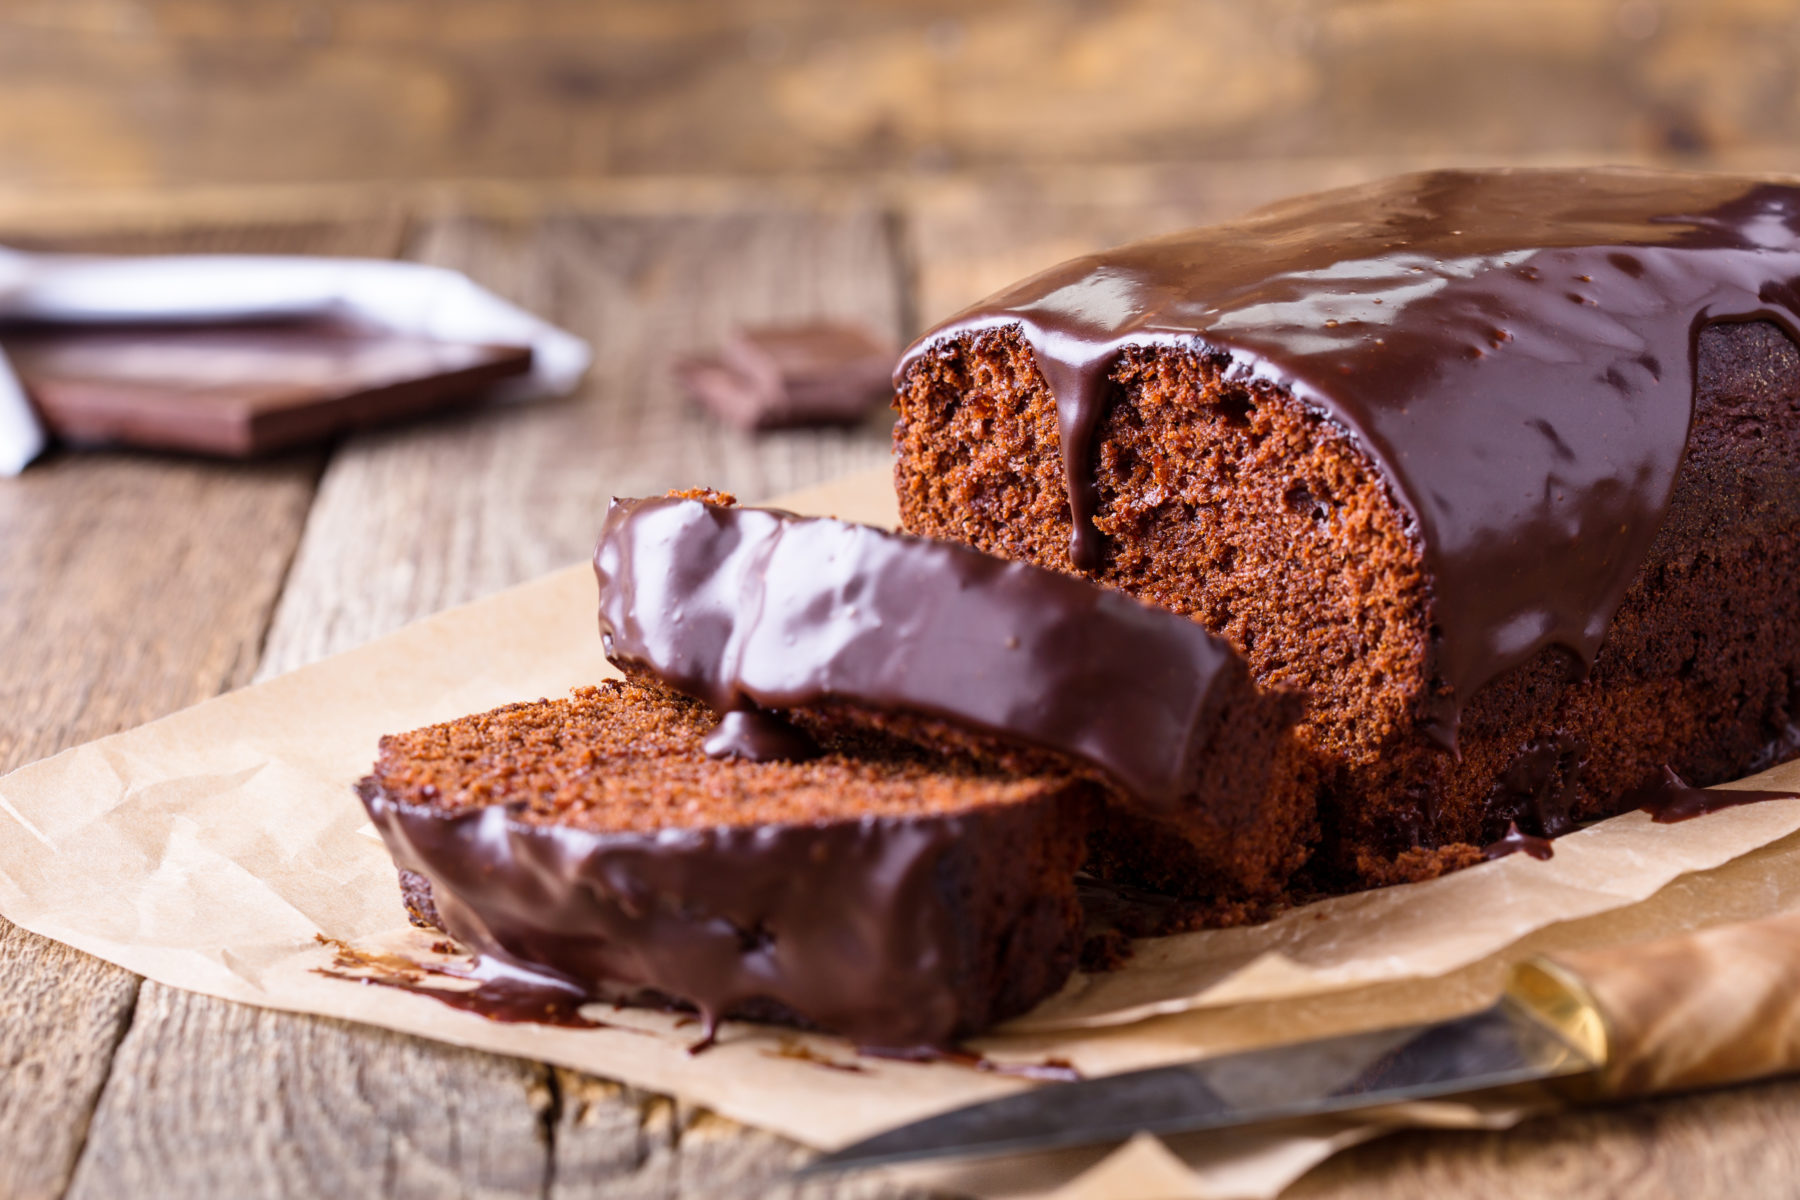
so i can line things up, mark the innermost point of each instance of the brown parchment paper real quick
(208, 850)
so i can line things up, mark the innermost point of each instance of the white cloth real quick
(407, 297)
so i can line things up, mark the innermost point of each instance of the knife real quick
(1716, 1007)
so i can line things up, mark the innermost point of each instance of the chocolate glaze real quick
(867, 947)
(1515, 350)
(1670, 799)
(1539, 787)
(758, 736)
(1516, 841)
(750, 606)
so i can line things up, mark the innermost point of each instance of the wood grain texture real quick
(1723, 1145)
(629, 1144)
(207, 1098)
(61, 1016)
(130, 586)
(132, 91)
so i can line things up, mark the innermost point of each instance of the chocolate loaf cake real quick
(842, 628)
(873, 890)
(1500, 469)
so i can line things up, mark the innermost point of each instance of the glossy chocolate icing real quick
(1517, 841)
(744, 606)
(1514, 349)
(758, 736)
(868, 945)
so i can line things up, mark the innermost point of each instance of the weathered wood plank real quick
(1738, 1142)
(130, 586)
(61, 1016)
(128, 91)
(208, 1098)
(635, 1145)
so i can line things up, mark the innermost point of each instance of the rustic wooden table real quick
(135, 584)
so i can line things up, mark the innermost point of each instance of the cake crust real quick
(899, 900)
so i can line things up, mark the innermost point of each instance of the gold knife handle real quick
(1706, 1008)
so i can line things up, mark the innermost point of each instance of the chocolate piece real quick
(776, 376)
(243, 389)
(1514, 348)
(900, 901)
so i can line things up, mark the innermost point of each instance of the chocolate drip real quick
(1539, 788)
(749, 606)
(1515, 350)
(1671, 799)
(501, 992)
(759, 736)
(1517, 841)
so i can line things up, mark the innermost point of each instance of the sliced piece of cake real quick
(873, 890)
(845, 627)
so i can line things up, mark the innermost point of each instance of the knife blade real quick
(1698, 1010)
(1496, 1047)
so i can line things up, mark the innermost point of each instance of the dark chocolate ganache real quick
(752, 607)
(1514, 349)
(1670, 798)
(866, 948)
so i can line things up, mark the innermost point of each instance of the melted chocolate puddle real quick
(1517, 841)
(1671, 799)
(498, 994)
(502, 994)
(1050, 1070)
(789, 1048)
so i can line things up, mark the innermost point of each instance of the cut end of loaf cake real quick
(877, 891)
(1233, 503)
(1222, 499)
(1227, 501)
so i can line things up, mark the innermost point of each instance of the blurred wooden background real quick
(157, 92)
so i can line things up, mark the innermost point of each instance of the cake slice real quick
(898, 898)
(1500, 469)
(844, 628)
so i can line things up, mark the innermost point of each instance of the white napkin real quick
(407, 297)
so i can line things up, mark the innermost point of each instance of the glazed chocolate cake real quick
(844, 627)
(899, 898)
(1498, 468)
